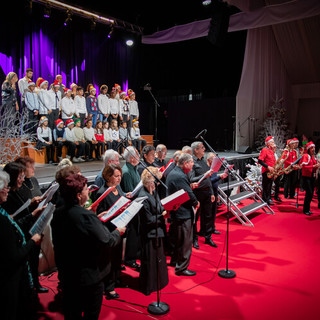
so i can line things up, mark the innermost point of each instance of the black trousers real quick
(32, 122)
(308, 186)
(59, 144)
(277, 187)
(266, 187)
(205, 213)
(86, 300)
(182, 230)
(290, 184)
(139, 144)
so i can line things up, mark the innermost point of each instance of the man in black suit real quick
(204, 194)
(182, 218)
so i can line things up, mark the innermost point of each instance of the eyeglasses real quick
(21, 176)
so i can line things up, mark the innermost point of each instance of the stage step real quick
(232, 184)
(242, 196)
(253, 207)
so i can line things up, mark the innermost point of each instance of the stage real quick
(46, 173)
(276, 278)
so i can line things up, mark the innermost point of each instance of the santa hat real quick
(56, 83)
(69, 122)
(310, 145)
(289, 141)
(92, 88)
(42, 120)
(58, 122)
(269, 139)
(121, 93)
(66, 90)
(117, 85)
(131, 93)
(76, 121)
(31, 83)
(135, 121)
(293, 141)
(42, 82)
(73, 85)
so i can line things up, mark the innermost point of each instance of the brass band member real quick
(291, 177)
(267, 160)
(309, 166)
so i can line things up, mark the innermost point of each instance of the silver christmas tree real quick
(276, 125)
(16, 134)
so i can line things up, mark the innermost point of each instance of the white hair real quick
(160, 147)
(4, 179)
(195, 145)
(110, 154)
(130, 152)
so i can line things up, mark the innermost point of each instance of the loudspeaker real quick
(244, 149)
(219, 23)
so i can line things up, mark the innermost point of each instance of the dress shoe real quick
(308, 213)
(133, 265)
(270, 202)
(186, 272)
(122, 268)
(42, 289)
(210, 243)
(216, 232)
(196, 244)
(110, 296)
(277, 199)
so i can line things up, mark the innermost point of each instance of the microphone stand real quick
(226, 273)
(156, 105)
(158, 307)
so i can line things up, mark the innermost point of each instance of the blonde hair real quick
(10, 76)
(146, 176)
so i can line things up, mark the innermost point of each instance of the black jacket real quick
(177, 180)
(81, 244)
(149, 216)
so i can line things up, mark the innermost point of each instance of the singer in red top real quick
(267, 160)
(309, 166)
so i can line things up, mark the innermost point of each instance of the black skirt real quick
(148, 272)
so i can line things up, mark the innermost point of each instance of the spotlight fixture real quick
(129, 43)
(47, 12)
(206, 2)
(110, 32)
(68, 19)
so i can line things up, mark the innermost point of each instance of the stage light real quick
(68, 19)
(129, 43)
(47, 12)
(206, 2)
(110, 32)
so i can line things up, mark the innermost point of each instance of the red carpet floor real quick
(277, 277)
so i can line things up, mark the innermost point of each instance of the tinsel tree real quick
(276, 125)
(254, 176)
(16, 133)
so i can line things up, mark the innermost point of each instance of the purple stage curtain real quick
(270, 15)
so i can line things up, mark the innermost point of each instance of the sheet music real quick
(47, 196)
(43, 220)
(216, 164)
(125, 217)
(23, 207)
(136, 189)
(120, 203)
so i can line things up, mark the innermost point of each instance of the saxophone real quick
(278, 165)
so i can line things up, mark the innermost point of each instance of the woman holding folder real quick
(153, 226)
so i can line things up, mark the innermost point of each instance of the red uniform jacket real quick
(307, 162)
(267, 156)
(292, 157)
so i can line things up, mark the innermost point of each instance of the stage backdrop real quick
(79, 54)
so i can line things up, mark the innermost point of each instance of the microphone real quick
(201, 133)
